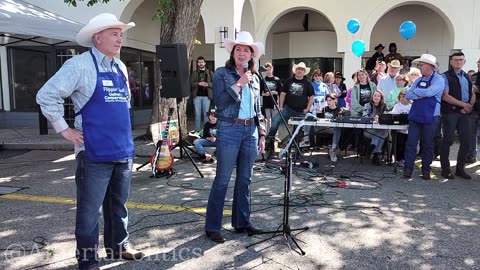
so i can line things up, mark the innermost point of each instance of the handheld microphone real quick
(245, 69)
(245, 66)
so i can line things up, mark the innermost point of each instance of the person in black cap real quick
(377, 56)
(392, 55)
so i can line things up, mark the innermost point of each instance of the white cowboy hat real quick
(301, 65)
(427, 58)
(395, 63)
(97, 24)
(245, 38)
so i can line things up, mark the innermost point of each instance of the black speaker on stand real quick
(174, 70)
(176, 84)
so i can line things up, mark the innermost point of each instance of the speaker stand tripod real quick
(182, 143)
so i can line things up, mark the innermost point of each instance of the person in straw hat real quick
(296, 98)
(97, 83)
(424, 116)
(388, 83)
(240, 134)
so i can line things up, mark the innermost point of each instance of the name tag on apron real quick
(107, 83)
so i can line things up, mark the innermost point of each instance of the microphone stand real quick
(284, 228)
(275, 104)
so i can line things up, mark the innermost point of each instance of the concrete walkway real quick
(378, 221)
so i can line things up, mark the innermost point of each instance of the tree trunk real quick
(179, 26)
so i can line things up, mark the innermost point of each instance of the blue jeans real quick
(200, 143)
(378, 138)
(202, 105)
(427, 133)
(475, 132)
(236, 146)
(100, 184)
(461, 123)
(287, 113)
(337, 132)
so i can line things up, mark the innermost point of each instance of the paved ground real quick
(378, 221)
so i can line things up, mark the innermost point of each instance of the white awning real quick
(24, 19)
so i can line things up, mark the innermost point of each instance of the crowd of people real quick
(387, 84)
(442, 104)
(98, 84)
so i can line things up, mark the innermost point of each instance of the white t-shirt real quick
(399, 108)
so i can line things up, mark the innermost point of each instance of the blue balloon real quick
(408, 29)
(358, 47)
(353, 25)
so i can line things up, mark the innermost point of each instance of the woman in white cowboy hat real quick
(97, 83)
(240, 133)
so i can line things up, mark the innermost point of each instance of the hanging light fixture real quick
(223, 35)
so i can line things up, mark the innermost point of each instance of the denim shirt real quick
(227, 99)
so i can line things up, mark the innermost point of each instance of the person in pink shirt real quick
(348, 98)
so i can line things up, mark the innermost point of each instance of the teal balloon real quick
(358, 47)
(408, 29)
(353, 25)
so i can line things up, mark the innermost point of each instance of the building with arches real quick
(304, 30)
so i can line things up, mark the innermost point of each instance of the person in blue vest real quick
(426, 93)
(457, 104)
(97, 83)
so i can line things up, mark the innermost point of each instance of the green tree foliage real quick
(178, 25)
(89, 3)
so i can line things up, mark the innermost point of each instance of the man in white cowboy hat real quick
(457, 104)
(388, 83)
(97, 83)
(296, 98)
(426, 93)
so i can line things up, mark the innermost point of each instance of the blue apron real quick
(107, 132)
(423, 109)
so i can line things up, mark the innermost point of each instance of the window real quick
(29, 73)
(141, 75)
(148, 77)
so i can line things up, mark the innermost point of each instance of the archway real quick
(302, 34)
(248, 20)
(434, 34)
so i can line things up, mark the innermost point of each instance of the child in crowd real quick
(401, 82)
(402, 107)
(332, 111)
(321, 91)
(375, 108)
(348, 98)
(208, 139)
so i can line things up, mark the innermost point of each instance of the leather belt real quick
(248, 121)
